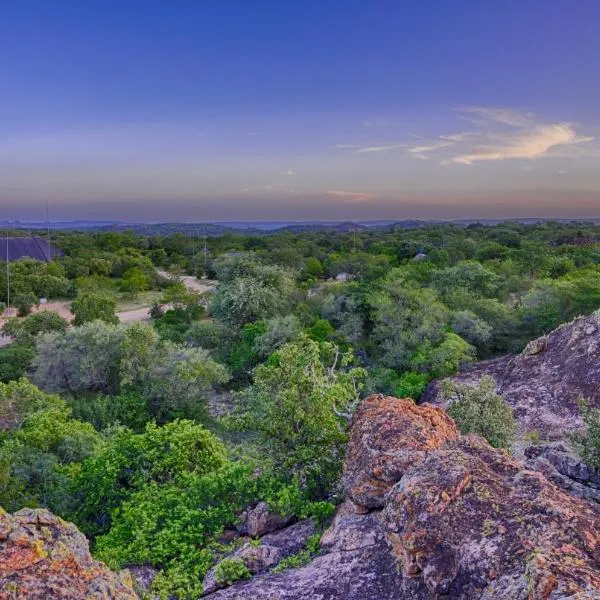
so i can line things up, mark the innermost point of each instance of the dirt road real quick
(62, 307)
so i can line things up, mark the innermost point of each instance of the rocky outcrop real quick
(432, 514)
(356, 565)
(567, 471)
(43, 557)
(265, 553)
(388, 436)
(544, 383)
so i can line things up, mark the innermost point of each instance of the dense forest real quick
(153, 436)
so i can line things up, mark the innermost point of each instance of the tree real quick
(138, 353)
(481, 410)
(180, 379)
(135, 281)
(297, 406)
(25, 330)
(92, 306)
(278, 332)
(252, 293)
(85, 358)
(40, 443)
(129, 462)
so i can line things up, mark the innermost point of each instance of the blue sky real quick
(153, 110)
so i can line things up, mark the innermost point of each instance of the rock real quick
(453, 518)
(269, 550)
(143, 577)
(469, 521)
(262, 520)
(544, 383)
(388, 436)
(357, 566)
(43, 557)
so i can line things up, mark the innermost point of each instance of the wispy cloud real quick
(351, 196)
(384, 148)
(289, 172)
(532, 143)
(505, 116)
(430, 147)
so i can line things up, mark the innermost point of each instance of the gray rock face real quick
(559, 465)
(461, 521)
(543, 384)
(357, 566)
(271, 549)
(262, 520)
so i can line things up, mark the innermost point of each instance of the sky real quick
(146, 110)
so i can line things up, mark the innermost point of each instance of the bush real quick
(230, 570)
(587, 444)
(481, 410)
(131, 462)
(411, 385)
(25, 302)
(92, 306)
(128, 409)
(15, 360)
(24, 330)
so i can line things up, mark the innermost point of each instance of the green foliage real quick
(293, 406)
(128, 408)
(411, 385)
(250, 292)
(85, 358)
(92, 306)
(302, 558)
(587, 443)
(481, 410)
(42, 447)
(230, 570)
(15, 360)
(130, 463)
(25, 302)
(24, 330)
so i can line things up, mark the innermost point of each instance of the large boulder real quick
(436, 515)
(357, 565)
(43, 557)
(388, 436)
(544, 383)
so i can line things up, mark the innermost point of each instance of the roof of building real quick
(27, 247)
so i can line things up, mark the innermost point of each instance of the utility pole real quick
(205, 253)
(7, 277)
(48, 225)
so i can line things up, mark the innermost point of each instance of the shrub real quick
(230, 570)
(25, 302)
(131, 462)
(24, 330)
(481, 410)
(92, 306)
(587, 444)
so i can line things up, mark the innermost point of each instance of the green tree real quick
(93, 306)
(25, 302)
(297, 406)
(81, 359)
(25, 330)
(170, 454)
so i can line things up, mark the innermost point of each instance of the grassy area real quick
(142, 300)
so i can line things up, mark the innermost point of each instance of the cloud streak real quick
(527, 144)
(351, 196)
